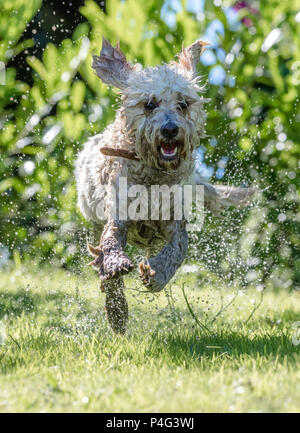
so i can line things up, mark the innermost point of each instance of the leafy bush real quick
(253, 125)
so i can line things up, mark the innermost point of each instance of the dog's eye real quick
(182, 105)
(150, 105)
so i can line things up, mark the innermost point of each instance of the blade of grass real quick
(192, 312)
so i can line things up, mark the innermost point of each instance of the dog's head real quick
(162, 107)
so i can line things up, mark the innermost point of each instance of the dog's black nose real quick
(169, 130)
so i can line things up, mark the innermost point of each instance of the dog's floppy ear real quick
(189, 57)
(111, 66)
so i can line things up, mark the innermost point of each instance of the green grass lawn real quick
(58, 354)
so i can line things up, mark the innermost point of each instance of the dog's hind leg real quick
(116, 304)
(216, 197)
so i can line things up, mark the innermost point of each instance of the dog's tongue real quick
(169, 149)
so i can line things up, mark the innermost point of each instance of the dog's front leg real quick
(111, 262)
(158, 270)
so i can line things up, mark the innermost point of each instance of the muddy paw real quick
(116, 263)
(110, 264)
(97, 262)
(146, 273)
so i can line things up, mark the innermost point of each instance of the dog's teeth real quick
(168, 153)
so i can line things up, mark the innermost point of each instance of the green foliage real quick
(13, 19)
(254, 123)
(258, 127)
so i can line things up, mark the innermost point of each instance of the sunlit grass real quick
(58, 354)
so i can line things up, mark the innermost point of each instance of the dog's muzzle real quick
(168, 148)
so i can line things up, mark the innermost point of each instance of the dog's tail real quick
(216, 197)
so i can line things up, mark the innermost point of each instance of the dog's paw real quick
(116, 263)
(97, 262)
(110, 264)
(147, 275)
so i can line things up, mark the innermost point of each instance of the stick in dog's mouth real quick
(111, 151)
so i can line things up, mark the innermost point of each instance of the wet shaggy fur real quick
(162, 120)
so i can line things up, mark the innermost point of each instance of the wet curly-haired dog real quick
(157, 128)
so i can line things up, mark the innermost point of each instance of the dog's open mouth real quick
(169, 151)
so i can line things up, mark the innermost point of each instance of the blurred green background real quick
(51, 102)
